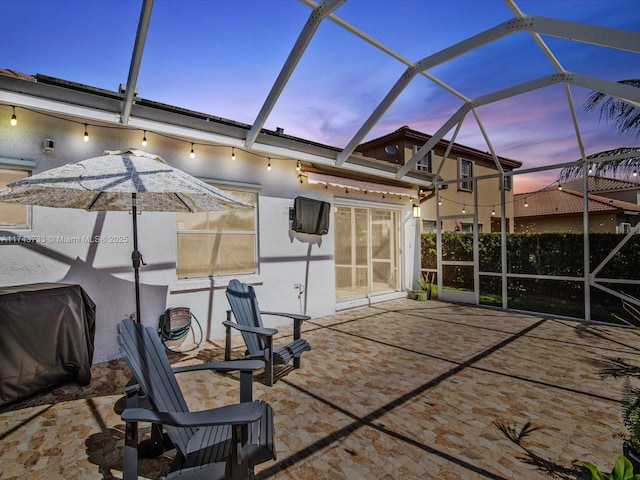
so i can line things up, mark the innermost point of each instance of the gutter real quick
(55, 96)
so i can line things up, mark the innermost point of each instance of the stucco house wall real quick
(104, 269)
(598, 223)
(453, 200)
(399, 146)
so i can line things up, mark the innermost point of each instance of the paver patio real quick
(398, 390)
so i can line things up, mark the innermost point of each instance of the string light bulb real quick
(526, 203)
(439, 202)
(193, 153)
(493, 210)
(144, 139)
(298, 167)
(14, 119)
(635, 173)
(560, 186)
(233, 153)
(86, 133)
(464, 209)
(269, 164)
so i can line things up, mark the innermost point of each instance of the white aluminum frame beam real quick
(618, 90)
(603, 36)
(309, 29)
(426, 63)
(359, 33)
(136, 59)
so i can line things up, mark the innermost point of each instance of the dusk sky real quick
(221, 57)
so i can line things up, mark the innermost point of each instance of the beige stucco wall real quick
(598, 223)
(453, 199)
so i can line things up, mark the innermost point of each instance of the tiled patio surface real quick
(398, 390)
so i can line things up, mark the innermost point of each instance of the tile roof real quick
(601, 184)
(13, 73)
(408, 132)
(564, 202)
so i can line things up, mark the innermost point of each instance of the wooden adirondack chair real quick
(257, 338)
(220, 443)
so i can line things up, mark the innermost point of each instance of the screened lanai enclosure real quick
(508, 78)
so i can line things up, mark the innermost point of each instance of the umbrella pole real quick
(136, 256)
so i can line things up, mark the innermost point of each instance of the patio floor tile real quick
(397, 390)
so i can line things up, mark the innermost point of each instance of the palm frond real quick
(616, 367)
(623, 116)
(512, 433)
(623, 160)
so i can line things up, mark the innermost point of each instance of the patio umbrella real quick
(129, 180)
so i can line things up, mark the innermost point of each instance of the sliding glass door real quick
(367, 254)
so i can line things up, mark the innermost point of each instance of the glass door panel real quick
(384, 251)
(366, 251)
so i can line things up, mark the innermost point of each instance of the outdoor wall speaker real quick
(48, 145)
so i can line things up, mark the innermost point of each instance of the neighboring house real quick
(623, 190)
(367, 256)
(561, 210)
(456, 200)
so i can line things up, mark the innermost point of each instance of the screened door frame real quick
(398, 253)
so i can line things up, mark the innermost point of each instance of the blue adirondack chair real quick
(221, 443)
(257, 338)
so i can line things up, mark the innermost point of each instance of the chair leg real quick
(239, 456)
(227, 340)
(268, 361)
(297, 327)
(246, 386)
(155, 445)
(130, 467)
(268, 370)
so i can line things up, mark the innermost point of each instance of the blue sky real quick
(221, 57)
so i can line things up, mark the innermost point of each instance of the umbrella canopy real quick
(128, 180)
(105, 183)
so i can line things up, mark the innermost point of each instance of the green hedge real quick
(557, 254)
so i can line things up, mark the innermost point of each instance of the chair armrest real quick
(295, 316)
(132, 387)
(269, 332)
(297, 321)
(239, 414)
(246, 368)
(230, 366)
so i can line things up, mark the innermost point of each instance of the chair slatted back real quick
(141, 348)
(244, 304)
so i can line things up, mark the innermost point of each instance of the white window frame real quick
(430, 226)
(465, 185)
(250, 189)
(467, 227)
(625, 227)
(26, 166)
(426, 163)
(507, 183)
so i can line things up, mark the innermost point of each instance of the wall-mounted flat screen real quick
(311, 216)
